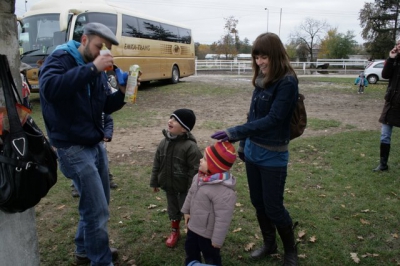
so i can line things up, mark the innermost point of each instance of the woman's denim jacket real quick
(271, 109)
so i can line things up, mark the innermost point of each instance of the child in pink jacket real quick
(209, 205)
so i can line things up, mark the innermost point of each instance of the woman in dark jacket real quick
(390, 116)
(264, 140)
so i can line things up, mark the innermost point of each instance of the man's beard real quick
(87, 55)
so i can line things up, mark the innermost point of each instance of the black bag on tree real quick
(28, 163)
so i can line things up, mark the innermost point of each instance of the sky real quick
(206, 17)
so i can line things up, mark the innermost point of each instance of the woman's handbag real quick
(28, 163)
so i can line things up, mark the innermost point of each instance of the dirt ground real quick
(356, 112)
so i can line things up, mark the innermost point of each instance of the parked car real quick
(373, 71)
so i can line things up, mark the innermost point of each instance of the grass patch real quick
(319, 124)
(330, 190)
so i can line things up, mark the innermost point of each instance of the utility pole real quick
(267, 17)
(280, 21)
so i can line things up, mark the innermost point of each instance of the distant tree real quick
(201, 50)
(309, 33)
(337, 45)
(291, 50)
(379, 21)
(244, 46)
(227, 45)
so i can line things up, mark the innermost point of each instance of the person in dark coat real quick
(176, 162)
(390, 116)
(73, 97)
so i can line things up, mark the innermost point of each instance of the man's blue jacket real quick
(73, 96)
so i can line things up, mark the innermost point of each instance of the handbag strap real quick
(18, 136)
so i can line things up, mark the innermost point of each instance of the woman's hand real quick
(220, 135)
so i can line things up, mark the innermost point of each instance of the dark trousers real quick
(267, 185)
(175, 202)
(196, 245)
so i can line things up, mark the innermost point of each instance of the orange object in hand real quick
(104, 51)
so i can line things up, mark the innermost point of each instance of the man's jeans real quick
(87, 166)
(267, 185)
(386, 133)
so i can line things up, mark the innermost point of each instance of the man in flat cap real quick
(73, 95)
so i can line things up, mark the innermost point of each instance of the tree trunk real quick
(18, 241)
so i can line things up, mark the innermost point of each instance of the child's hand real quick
(156, 189)
(187, 217)
(215, 245)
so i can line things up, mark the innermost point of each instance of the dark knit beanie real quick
(185, 117)
(220, 157)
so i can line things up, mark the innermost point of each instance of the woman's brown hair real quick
(268, 44)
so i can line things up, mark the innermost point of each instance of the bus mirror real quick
(64, 20)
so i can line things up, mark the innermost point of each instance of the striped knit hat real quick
(220, 157)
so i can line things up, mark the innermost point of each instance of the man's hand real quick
(102, 62)
(393, 52)
(122, 77)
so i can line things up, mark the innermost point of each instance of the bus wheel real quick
(175, 75)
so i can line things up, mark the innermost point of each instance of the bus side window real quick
(185, 35)
(130, 26)
(169, 33)
(149, 29)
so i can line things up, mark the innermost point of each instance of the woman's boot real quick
(384, 152)
(175, 234)
(268, 231)
(287, 235)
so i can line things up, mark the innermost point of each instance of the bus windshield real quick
(40, 34)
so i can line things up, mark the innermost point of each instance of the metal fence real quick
(240, 67)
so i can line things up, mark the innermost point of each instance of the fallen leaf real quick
(61, 207)
(313, 239)
(395, 235)
(365, 211)
(364, 221)
(322, 195)
(249, 246)
(301, 234)
(238, 204)
(158, 198)
(343, 206)
(360, 237)
(366, 255)
(302, 256)
(354, 257)
(256, 236)
(151, 206)
(237, 230)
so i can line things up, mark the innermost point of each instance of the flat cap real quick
(101, 30)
